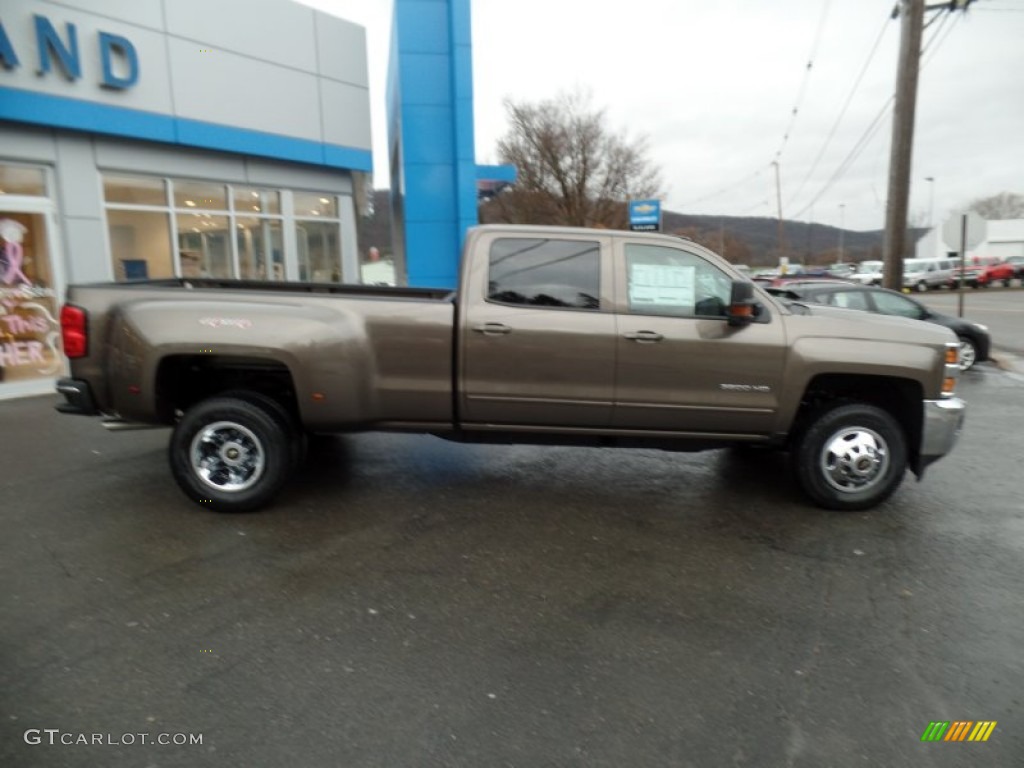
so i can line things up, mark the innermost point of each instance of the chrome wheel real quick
(854, 459)
(227, 456)
(968, 354)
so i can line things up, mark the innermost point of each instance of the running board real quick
(120, 425)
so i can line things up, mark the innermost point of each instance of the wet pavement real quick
(414, 602)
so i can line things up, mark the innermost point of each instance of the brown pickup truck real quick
(556, 335)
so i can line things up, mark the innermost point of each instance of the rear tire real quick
(230, 454)
(851, 457)
(298, 443)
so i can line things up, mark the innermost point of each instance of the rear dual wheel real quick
(232, 454)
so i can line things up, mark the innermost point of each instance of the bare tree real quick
(571, 168)
(1005, 205)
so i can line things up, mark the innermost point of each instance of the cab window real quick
(849, 299)
(894, 304)
(545, 272)
(668, 281)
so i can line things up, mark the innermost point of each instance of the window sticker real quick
(653, 285)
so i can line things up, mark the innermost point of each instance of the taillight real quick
(74, 331)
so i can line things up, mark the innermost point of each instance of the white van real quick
(925, 274)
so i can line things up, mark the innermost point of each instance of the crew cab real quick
(555, 335)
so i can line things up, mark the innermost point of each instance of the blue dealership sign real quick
(645, 215)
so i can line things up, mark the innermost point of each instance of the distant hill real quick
(746, 239)
(755, 240)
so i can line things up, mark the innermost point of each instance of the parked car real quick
(868, 273)
(983, 275)
(799, 277)
(1017, 262)
(975, 341)
(928, 274)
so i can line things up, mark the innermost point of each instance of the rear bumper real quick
(943, 421)
(78, 397)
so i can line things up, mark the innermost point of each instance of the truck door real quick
(538, 331)
(681, 367)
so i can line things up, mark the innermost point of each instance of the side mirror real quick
(742, 305)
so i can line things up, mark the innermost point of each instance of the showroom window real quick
(138, 221)
(22, 180)
(164, 227)
(318, 231)
(29, 281)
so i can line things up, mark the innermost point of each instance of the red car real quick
(982, 276)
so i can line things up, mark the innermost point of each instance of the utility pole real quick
(778, 197)
(842, 230)
(911, 14)
(931, 200)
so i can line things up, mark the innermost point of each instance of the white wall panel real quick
(165, 160)
(273, 174)
(78, 179)
(270, 30)
(341, 49)
(346, 111)
(241, 92)
(143, 13)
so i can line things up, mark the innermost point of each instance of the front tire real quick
(851, 457)
(230, 454)
(968, 353)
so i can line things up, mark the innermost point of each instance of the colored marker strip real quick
(982, 731)
(958, 730)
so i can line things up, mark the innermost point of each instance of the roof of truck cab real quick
(535, 229)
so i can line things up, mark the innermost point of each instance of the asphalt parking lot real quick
(410, 602)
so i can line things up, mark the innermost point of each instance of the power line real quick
(723, 190)
(803, 82)
(789, 128)
(876, 123)
(842, 112)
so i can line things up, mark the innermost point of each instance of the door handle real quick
(492, 329)
(645, 336)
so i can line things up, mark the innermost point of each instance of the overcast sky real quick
(712, 85)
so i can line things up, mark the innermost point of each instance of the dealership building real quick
(141, 138)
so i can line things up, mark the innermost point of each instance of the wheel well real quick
(901, 398)
(183, 380)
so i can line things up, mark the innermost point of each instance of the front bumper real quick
(943, 421)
